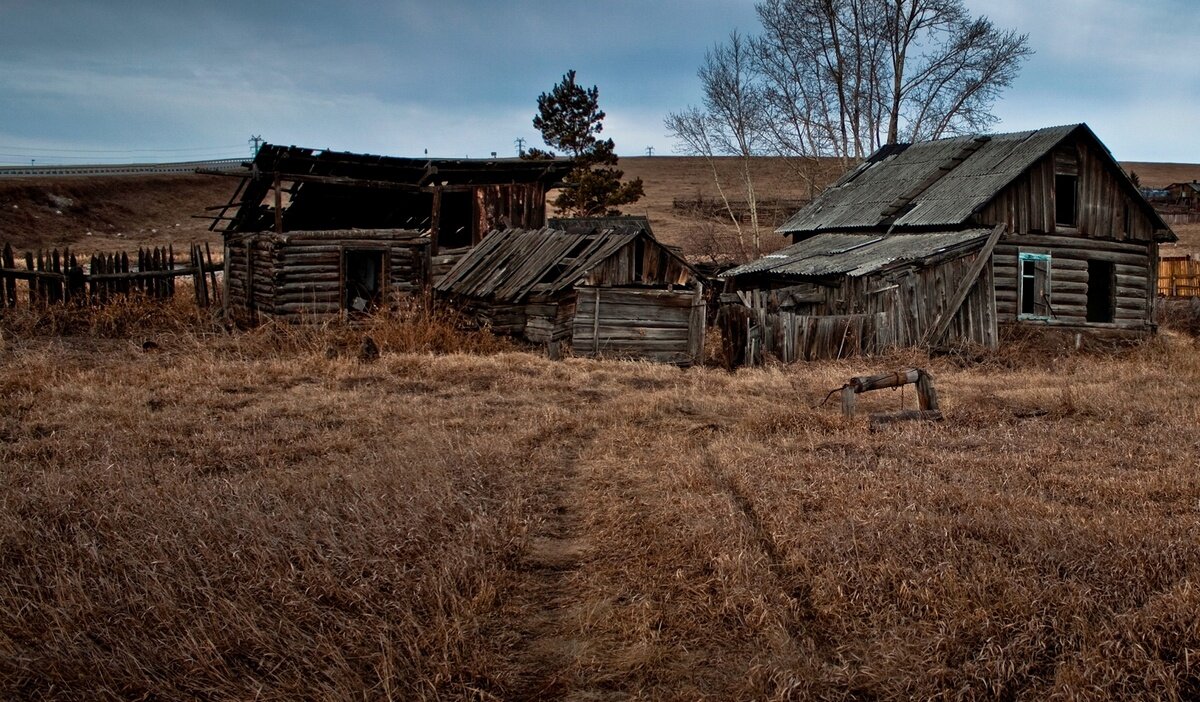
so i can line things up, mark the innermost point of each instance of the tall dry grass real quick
(249, 516)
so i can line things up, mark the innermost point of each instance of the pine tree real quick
(569, 118)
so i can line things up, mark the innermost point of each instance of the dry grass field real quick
(261, 515)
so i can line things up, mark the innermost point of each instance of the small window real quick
(1066, 196)
(1127, 220)
(456, 221)
(362, 279)
(1034, 291)
(1101, 291)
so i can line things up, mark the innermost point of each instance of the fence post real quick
(170, 267)
(11, 283)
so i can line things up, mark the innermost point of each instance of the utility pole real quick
(649, 150)
(520, 142)
(255, 141)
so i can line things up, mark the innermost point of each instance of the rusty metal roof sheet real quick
(927, 184)
(836, 254)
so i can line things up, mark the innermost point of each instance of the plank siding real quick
(658, 325)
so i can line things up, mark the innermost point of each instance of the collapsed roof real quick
(339, 190)
(511, 265)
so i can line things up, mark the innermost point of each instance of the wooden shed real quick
(608, 291)
(314, 276)
(1186, 194)
(961, 237)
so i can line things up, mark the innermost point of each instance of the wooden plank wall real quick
(640, 262)
(298, 277)
(512, 206)
(1027, 205)
(792, 337)
(657, 325)
(1179, 276)
(912, 299)
(1068, 278)
(869, 314)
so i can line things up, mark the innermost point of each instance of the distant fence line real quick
(1180, 217)
(223, 164)
(770, 210)
(51, 278)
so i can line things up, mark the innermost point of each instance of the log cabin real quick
(954, 241)
(319, 276)
(610, 291)
(311, 234)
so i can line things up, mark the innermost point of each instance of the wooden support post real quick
(926, 394)
(278, 205)
(941, 323)
(596, 325)
(849, 398)
(435, 221)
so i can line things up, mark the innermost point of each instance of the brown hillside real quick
(108, 213)
(121, 212)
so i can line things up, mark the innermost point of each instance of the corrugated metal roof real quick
(937, 188)
(857, 254)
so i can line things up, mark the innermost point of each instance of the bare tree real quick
(843, 77)
(730, 123)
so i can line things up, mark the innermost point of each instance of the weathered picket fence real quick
(60, 278)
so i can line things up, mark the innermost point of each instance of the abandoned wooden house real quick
(1185, 194)
(316, 276)
(317, 233)
(602, 291)
(952, 241)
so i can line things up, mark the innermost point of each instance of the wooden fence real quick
(60, 278)
(1179, 276)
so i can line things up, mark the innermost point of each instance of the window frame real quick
(1024, 257)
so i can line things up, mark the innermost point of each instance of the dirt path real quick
(547, 657)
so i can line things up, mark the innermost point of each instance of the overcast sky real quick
(170, 80)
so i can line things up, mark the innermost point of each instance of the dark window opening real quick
(1066, 191)
(363, 280)
(1127, 220)
(1101, 291)
(456, 221)
(342, 207)
(1027, 287)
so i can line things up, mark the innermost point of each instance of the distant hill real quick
(121, 212)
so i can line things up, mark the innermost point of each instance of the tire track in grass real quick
(796, 613)
(545, 657)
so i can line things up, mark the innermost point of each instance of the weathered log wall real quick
(1111, 225)
(549, 321)
(658, 325)
(298, 276)
(1133, 264)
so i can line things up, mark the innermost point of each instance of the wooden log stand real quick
(927, 400)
